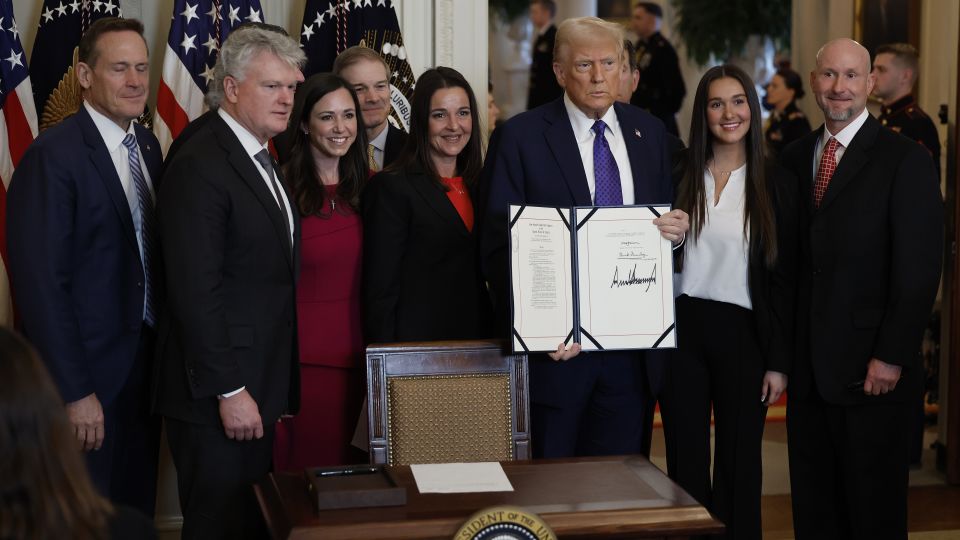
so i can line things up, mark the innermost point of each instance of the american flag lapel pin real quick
(637, 133)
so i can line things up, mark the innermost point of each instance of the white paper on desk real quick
(460, 477)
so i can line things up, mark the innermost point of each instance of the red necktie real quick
(828, 164)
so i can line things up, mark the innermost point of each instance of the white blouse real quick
(715, 265)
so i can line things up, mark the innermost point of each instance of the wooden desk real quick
(615, 497)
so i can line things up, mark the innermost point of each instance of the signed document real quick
(599, 276)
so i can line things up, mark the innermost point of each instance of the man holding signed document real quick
(582, 150)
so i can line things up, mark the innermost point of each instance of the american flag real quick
(196, 32)
(18, 127)
(62, 23)
(330, 26)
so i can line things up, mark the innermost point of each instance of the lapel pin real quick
(637, 133)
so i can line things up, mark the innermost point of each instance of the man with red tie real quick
(871, 222)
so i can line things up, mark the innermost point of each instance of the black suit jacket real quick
(232, 304)
(870, 259)
(396, 140)
(772, 289)
(421, 279)
(75, 266)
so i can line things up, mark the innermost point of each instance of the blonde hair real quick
(580, 29)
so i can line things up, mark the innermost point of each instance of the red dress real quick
(331, 346)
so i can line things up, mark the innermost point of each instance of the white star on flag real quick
(307, 31)
(96, 5)
(214, 14)
(48, 15)
(13, 30)
(190, 12)
(62, 9)
(211, 44)
(14, 59)
(109, 7)
(75, 6)
(207, 74)
(319, 20)
(254, 16)
(187, 43)
(234, 15)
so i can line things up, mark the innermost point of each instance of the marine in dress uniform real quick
(785, 127)
(661, 89)
(905, 117)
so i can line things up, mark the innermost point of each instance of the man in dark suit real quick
(227, 352)
(85, 270)
(591, 404)
(871, 222)
(661, 89)
(366, 71)
(543, 83)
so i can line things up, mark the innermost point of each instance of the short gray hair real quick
(242, 46)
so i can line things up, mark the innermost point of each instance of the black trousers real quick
(215, 476)
(848, 468)
(717, 363)
(124, 469)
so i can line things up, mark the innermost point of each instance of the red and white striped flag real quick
(18, 128)
(196, 32)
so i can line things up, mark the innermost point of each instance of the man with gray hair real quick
(871, 241)
(227, 364)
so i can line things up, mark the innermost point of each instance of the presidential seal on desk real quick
(504, 523)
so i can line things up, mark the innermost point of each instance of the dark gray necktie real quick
(265, 161)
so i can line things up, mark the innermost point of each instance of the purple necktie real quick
(605, 172)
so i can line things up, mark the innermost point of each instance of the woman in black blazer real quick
(735, 306)
(421, 280)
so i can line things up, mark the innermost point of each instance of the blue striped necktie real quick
(147, 226)
(606, 174)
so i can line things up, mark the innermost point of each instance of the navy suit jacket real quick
(75, 266)
(534, 159)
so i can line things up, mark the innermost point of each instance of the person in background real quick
(590, 404)
(369, 75)
(45, 489)
(629, 73)
(421, 279)
(493, 112)
(896, 67)
(871, 247)
(325, 174)
(787, 123)
(543, 83)
(661, 89)
(85, 265)
(735, 304)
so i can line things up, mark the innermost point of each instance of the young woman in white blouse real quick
(735, 305)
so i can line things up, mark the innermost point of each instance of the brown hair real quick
(758, 214)
(87, 49)
(45, 491)
(905, 54)
(416, 151)
(300, 171)
(355, 54)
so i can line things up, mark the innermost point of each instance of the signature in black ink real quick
(632, 278)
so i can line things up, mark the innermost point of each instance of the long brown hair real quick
(416, 152)
(45, 491)
(300, 171)
(758, 214)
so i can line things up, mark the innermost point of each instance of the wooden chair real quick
(447, 402)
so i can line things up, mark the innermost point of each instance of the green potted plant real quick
(721, 28)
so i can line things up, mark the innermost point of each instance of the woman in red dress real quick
(326, 170)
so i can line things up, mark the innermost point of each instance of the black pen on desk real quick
(348, 472)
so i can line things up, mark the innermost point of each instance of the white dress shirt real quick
(113, 137)
(844, 137)
(253, 147)
(715, 265)
(582, 129)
